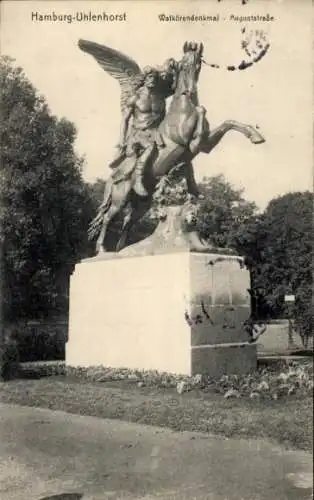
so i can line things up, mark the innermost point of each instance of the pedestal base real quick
(215, 361)
(179, 313)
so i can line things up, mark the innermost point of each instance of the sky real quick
(275, 94)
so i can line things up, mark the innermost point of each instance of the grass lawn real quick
(288, 421)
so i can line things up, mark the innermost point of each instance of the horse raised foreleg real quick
(247, 130)
(215, 136)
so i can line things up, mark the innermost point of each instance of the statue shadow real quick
(64, 496)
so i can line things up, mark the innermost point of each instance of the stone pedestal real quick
(181, 312)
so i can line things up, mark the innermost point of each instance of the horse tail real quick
(96, 223)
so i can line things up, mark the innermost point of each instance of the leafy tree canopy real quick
(286, 256)
(45, 204)
(225, 213)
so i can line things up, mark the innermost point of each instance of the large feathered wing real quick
(116, 64)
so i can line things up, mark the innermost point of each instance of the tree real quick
(45, 205)
(286, 256)
(225, 213)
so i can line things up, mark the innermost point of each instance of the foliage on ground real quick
(268, 382)
(287, 421)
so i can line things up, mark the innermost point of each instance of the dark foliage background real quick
(45, 205)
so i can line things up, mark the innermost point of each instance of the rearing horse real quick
(185, 132)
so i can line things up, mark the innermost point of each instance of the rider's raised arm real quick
(126, 116)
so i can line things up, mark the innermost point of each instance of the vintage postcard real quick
(156, 241)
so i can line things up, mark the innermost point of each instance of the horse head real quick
(189, 68)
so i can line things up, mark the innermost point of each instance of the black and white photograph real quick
(156, 225)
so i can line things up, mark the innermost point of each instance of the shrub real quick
(39, 342)
(9, 359)
(40, 369)
(271, 382)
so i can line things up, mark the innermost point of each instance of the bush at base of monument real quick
(9, 360)
(284, 380)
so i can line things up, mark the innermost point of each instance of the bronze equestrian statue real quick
(152, 140)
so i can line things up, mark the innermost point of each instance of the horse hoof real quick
(256, 137)
(257, 140)
(141, 192)
(100, 250)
